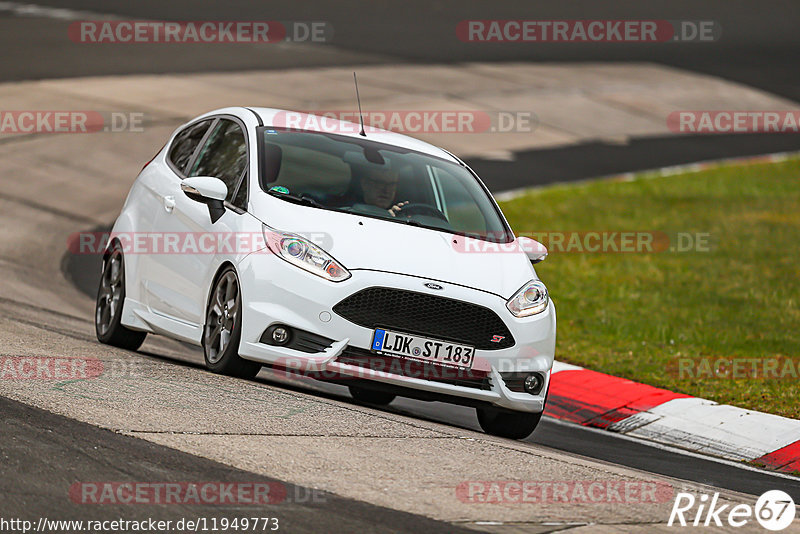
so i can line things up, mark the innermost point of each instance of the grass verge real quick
(719, 321)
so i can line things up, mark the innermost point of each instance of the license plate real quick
(422, 348)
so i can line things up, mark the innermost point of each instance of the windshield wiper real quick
(302, 199)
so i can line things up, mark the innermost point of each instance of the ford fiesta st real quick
(375, 260)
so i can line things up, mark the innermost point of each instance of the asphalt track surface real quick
(83, 271)
(588, 160)
(758, 45)
(758, 48)
(66, 450)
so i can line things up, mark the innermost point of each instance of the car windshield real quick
(362, 177)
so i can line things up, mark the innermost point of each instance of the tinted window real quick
(224, 156)
(241, 194)
(185, 144)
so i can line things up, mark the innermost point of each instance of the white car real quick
(377, 261)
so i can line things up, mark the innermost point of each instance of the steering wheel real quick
(422, 209)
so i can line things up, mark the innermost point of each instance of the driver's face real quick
(379, 189)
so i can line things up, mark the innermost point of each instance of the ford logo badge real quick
(431, 285)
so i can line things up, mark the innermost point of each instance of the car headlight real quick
(302, 253)
(529, 300)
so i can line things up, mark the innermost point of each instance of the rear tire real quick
(508, 424)
(223, 329)
(371, 396)
(109, 304)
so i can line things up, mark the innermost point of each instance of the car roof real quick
(349, 129)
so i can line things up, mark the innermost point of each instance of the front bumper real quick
(293, 297)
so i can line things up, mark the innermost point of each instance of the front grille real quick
(426, 315)
(415, 369)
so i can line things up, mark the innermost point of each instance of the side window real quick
(240, 200)
(185, 144)
(224, 156)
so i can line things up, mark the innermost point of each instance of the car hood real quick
(367, 243)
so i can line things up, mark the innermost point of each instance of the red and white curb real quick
(603, 401)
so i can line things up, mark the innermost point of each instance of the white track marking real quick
(676, 450)
(47, 12)
(706, 427)
(719, 429)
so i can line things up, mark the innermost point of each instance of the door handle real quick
(169, 203)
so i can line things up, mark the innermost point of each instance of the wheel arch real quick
(107, 252)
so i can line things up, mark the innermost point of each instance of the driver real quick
(379, 190)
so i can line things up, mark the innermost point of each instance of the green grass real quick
(635, 315)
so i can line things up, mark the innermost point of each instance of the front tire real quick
(508, 424)
(110, 300)
(223, 329)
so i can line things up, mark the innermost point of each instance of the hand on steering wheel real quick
(394, 210)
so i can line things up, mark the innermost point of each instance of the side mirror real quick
(209, 191)
(535, 251)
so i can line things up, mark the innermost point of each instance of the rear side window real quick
(224, 156)
(185, 144)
